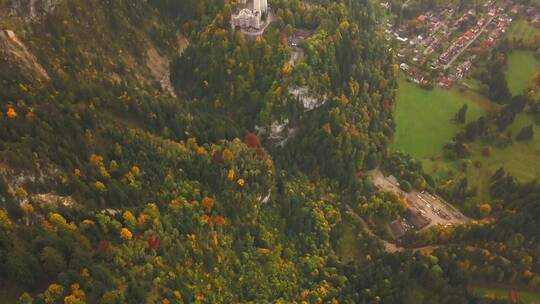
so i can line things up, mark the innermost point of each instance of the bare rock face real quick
(14, 52)
(32, 9)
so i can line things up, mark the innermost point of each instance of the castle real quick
(250, 15)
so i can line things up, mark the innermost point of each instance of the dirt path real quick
(388, 247)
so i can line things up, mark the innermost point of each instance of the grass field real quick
(424, 125)
(424, 117)
(521, 160)
(502, 293)
(348, 248)
(521, 66)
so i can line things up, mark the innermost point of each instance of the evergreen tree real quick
(527, 133)
(461, 115)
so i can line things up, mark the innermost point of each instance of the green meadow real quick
(522, 65)
(521, 159)
(424, 126)
(424, 118)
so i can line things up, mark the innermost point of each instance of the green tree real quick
(406, 186)
(53, 261)
(25, 298)
(420, 183)
(461, 115)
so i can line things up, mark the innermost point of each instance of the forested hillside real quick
(138, 164)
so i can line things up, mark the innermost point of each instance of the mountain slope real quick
(116, 189)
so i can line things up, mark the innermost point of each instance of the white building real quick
(260, 5)
(246, 18)
(249, 17)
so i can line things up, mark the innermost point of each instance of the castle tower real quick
(260, 6)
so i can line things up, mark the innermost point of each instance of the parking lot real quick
(435, 209)
(424, 204)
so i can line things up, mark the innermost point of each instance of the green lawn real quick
(424, 117)
(502, 293)
(521, 66)
(521, 160)
(424, 125)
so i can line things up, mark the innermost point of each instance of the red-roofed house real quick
(468, 35)
(490, 42)
(444, 82)
(422, 18)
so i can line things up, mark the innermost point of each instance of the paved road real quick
(468, 44)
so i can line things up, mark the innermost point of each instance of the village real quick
(439, 47)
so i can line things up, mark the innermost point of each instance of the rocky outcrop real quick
(15, 53)
(32, 9)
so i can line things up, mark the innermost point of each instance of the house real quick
(469, 35)
(422, 18)
(398, 229)
(481, 22)
(490, 42)
(444, 82)
(402, 39)
(461, 41)
(404, 66)
(415, 217)
(536, 21)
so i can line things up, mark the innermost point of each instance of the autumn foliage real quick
(11, 113)
(252, 140)
(153, 242)
(485, 210)
(208, 203)
(125, 234)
